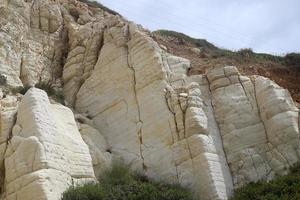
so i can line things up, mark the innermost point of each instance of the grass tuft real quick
(281, 188)
(120, 183)
(57, 95)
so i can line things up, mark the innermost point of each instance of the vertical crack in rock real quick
(259, 112)
(218, 126)
(169, 99)
(82, 55)
(246, 93)
(235, 125)
(272, 147)
(173, 100)
(84, 69)
(22, 70)
(139, 123)
(183, 118)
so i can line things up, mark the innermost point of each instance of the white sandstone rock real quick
(209, 132)
(8, 110)
(256, 148)
(99, 149)
(126, 97)
(46, 153)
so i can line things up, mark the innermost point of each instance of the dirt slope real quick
(285, 75)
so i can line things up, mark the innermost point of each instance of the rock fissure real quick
(168, 97)
(259, 112)
(218, 126)
(246, 94)
(143, 107)
(139, 123)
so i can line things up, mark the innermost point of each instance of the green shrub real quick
(119, 183)
(90, 191)
(20, 89)
(3, 80)
(59, 97)
(222, 53)
(292, 59)
(119, 174)
(181, 36)
(281, 188)
(242, 55)
(48, 87)
(247, 52)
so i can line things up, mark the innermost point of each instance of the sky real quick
(266, 26)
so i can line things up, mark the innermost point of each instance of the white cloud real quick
(265, 25)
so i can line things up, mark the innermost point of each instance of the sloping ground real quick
(134, 101)
(281, 188)
(249, 63)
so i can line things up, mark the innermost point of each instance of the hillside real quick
(82, 88)
(284, 70)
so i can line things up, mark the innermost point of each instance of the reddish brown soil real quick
(285, 76)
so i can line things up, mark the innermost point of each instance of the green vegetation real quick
(96, 4)
(119, 183)
(247, 54)
(281, 188)
(57, 95)
(3, 80)
(198, 42)
(292, 59)
(48, 87)
(242, 55)
(20, 89)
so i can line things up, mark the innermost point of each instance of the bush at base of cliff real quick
(121, 184)
(57, 95)
(3, 80)
(281, 188)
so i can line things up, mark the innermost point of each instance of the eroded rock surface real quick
(211, 132)
(99, 149)
(31, 44)
(45, 153)
(244, 112)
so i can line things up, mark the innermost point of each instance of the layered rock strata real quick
(252, 115)
(133, 101)
(45, 153)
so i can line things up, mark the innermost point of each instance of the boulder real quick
(45, 154)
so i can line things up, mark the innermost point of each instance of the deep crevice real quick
(218, 126)
(139, 123)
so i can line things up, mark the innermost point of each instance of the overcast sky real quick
(271, 26)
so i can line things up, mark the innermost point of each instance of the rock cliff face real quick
(132, 101)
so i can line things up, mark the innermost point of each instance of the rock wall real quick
(245, 110)
(45, 153)
(131, 101)
(138, 97)
(30, 29)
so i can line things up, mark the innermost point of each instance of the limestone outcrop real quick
(45, 153)
(141, 93)
(31, 44)
(245, 110)
(129, 99)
